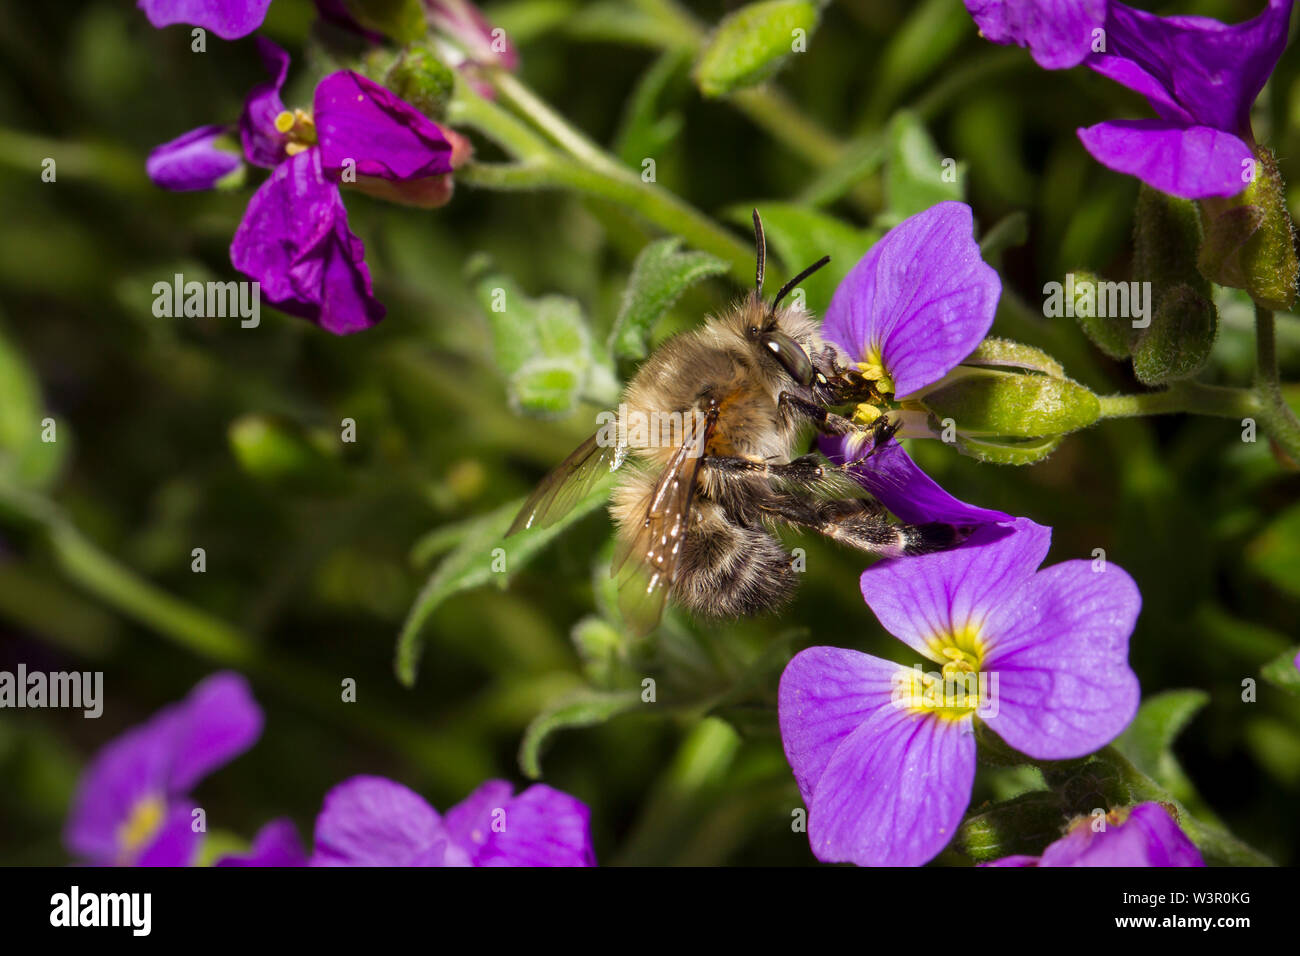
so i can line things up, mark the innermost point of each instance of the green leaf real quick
(25, 459)
(278, 452)
(1008, 453)
(1283, 672)
(648, 126)
(1149, 739)
(750, 45)
(800, 235)
(586, 709)
(917, 175)
(476, 561)
(660, 275)
(923, 43)
(542, 345)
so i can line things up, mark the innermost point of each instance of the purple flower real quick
(1146, 836)
(1058, 33)
(372, 821)
(912, 308)
(884, 755)
(1199, 75)
(228, 19)
(132, 805)
(276, 844)
(193, 161)
(294, 238)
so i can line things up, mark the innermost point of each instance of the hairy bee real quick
(703, 487)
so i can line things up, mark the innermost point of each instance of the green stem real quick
(514, 92)
(1279, 419)
(657, 205)
(468, 108)
(1184, 397)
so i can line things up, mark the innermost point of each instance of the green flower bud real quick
(1113, 334)
(423, 80)
(983, 403)
(1179, 339)
(1250, 241)
(750, 45)
(1021, 825)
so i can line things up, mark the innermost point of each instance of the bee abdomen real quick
(732, 571)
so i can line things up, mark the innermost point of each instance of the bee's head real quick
(763, 324)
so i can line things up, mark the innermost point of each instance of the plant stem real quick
(657, 205)
(1186, 397)
(1279, 419)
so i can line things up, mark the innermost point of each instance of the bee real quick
(696, 503)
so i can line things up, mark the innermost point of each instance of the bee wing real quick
(645, 563)
(570, 482)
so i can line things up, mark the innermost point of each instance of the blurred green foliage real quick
(175, 434)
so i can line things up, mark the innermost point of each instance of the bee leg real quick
(806, 469)
(793, 406)
(863, 525)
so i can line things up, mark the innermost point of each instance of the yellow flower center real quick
(298, 128)
(958, 689)
(139, 828)
(873, 368)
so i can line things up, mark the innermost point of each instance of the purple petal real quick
(1129, 74)
(901, 486)
(894, 792)
(921, 298)
(540, 827)
(373, 821)
(826, 694)
(1212, 70)
(929, 596)
(276, 844)
(263, 143)
(358, 121)
(294, 240)
(228, 19)
(1149, 837)
(216, 723)
(1059, 648)
(192, 161)
(177, 844)
(1058, 33)
(1191, 162)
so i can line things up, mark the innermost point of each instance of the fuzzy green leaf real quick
(751, 44)
(659, 277)
(587, 709)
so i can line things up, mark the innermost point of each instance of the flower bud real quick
(987, 404)
(1113, 334)
(421, 79)
(1180, 337)
(1249, 239)
(482, 43)
(750, 45)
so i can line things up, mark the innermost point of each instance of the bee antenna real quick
(760, 244)
(796, 280)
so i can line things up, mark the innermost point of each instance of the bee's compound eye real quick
(791, 356)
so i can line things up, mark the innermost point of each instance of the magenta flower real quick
(276, 844)
(372, 821)
(1146, 836)
(912, 308)
(195, 160)
(1199, 75)
(228, 19)
(294, 238)
(884, 755)
(132, 805)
